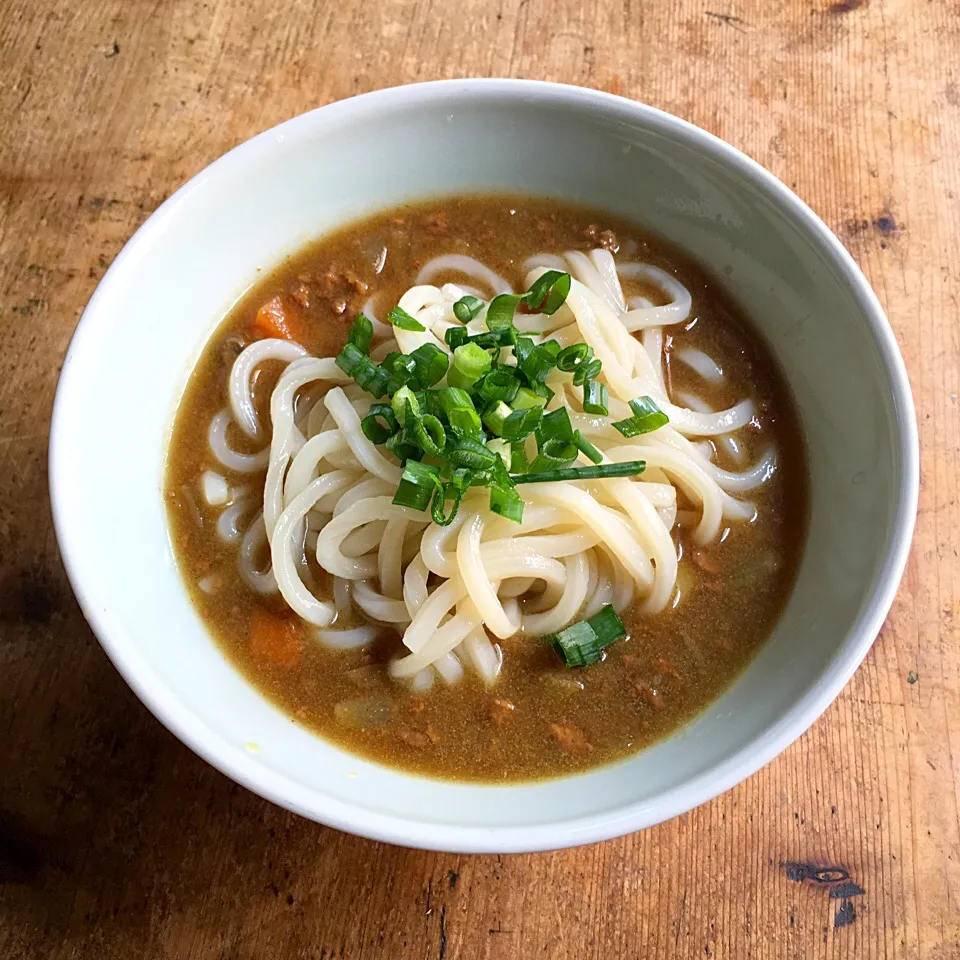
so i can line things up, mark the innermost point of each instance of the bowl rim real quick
(163, 702)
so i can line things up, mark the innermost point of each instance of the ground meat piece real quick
(665, 667)
(604, 238)
(705, 562)
(230, 348)
(649, 696)
(301, 293)
(571, 738)
(341, 289)
(436, 222)
(499, 711)
(418, 706)
(414, 738)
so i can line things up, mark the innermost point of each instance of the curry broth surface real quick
(668, 669)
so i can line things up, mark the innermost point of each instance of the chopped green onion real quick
(588, 370)
(418, 483)
(595, 398)
(527, 398)
(501, 448)
(506, 502)
(470, 363)
(521, 423)
(466, 308)
(456, 337)
(555, 425)
(400, 318)
(448, 491)
(430, 365)
(552, 286)
(603, 472)
(647, 417)
(355, 363)
(361, 333)
(403, 401)
(582, 643)
(428, 433)
(554, 454)
(401, 369)
(380, 424)
(607, 625)
(500, 384)
(571, 357)
(495, 417)
(536, 362)
(460, 412)
(518, 458)
(585, 446)
(468, 452)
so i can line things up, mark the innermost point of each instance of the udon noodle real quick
(580, 546)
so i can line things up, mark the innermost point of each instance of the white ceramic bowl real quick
(174, 281)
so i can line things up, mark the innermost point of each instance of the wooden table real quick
(117, 842)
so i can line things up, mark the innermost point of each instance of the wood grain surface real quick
(117, 842)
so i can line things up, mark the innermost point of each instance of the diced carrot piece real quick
(275, 639)
(278, 318)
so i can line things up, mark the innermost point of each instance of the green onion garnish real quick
(470, 363)
(458, 408)
(430, 365)
(630, 468)
(466, 308)
(472, 453)
(496, 417)
(500, 384)
(506, 502)
(380, 424)
(554, 454)
(400, 318)
(584, 445)
(647, 417)
(418, 483)
(361, 333)
(521, 423)
(595, 398)
(582, 643)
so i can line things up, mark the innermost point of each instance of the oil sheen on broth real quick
(540, 718)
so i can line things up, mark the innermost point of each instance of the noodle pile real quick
(581, 544)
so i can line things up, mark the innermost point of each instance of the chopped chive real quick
(605, 471)
(400, 318)
(466, 308)
(585, 446)
(595, 398)
(647, 417)
(361, 333)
